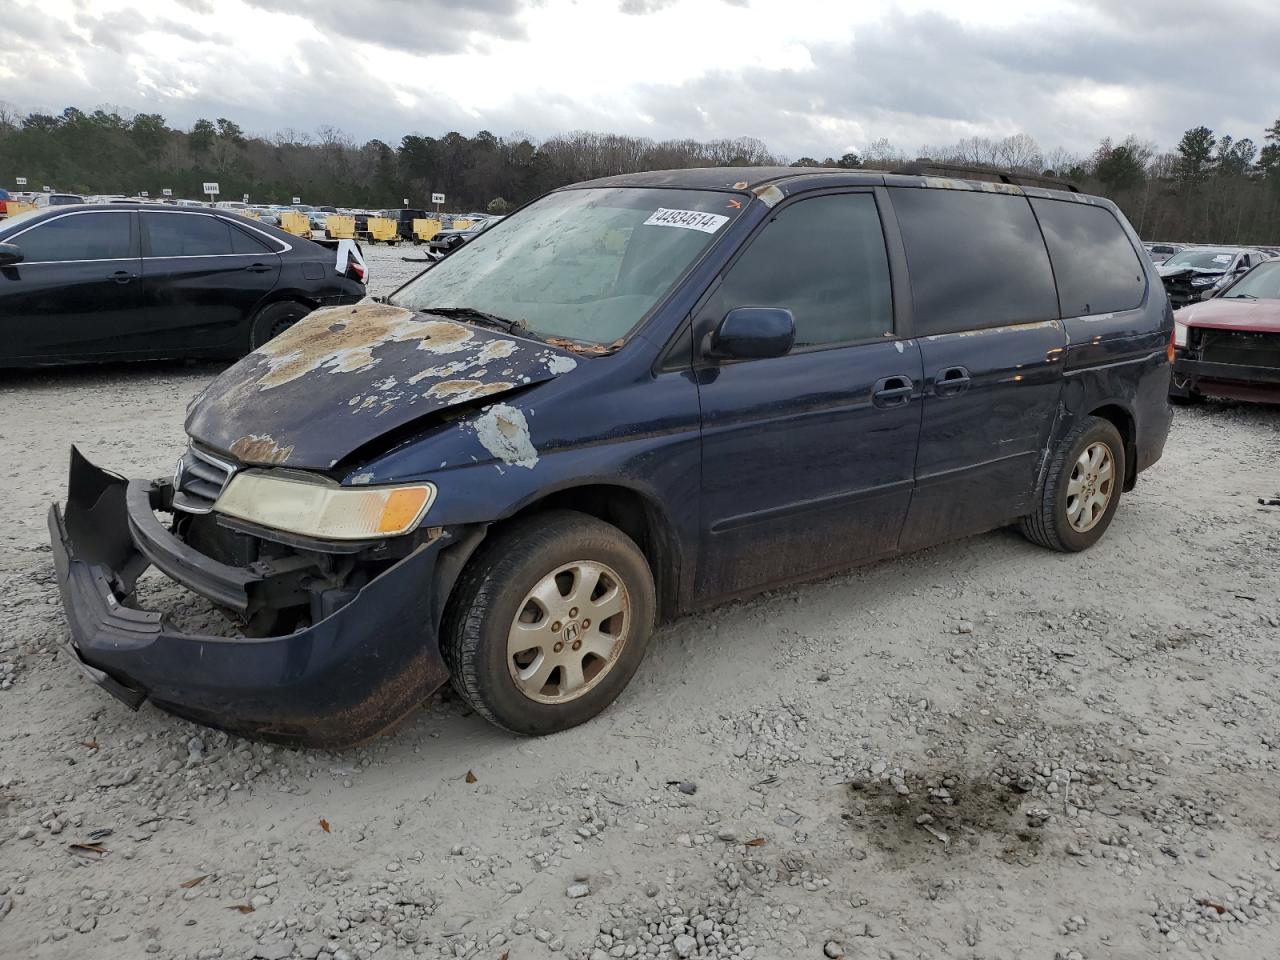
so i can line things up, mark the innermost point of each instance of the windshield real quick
(582, 264)
(1202, 259)
(1260, 283)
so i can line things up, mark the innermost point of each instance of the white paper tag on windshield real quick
(687, 220)
(1222, 258)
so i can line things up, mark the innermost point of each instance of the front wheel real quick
(549, 622)
(273, 320)
(1082, 489)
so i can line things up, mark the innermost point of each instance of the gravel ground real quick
(981, 750)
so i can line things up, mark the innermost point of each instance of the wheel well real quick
(636, 516)
(1122, 420)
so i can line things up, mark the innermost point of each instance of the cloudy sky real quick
(813, 77)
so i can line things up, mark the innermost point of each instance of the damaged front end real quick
(336, 639)
(1190, 285)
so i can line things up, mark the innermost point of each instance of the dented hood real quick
(344, 376)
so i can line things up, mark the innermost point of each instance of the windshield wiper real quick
(479, 316)
(1241, 296)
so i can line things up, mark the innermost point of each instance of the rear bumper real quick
(341, 681)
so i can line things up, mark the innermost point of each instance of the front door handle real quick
(258, 268)
(951, 381)
(892, 391)
(122, 276)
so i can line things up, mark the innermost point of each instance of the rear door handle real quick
(258, 268)
(122, 276)
(892, 391)
(951, 381)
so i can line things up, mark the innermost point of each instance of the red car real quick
(1229, 346)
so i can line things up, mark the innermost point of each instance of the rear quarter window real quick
(1097, 268)
(977, 260)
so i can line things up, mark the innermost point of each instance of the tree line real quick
(1210, 188)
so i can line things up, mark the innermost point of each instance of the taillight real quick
(358, 272)
(1173, 340)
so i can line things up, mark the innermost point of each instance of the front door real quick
(807, 459)
(204, 276)
(77, 292)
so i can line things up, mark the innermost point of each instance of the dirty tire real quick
(490, 593)
(273, 320)
(1047, 525)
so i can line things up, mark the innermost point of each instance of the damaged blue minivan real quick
(633, 398)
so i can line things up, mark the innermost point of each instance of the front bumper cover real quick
(343, 680)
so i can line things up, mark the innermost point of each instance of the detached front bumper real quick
(343, 680)
(1234, 380)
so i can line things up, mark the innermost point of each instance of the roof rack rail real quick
(919, 168)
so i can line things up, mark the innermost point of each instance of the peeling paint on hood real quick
(344, 376)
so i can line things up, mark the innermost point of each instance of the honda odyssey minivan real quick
(631, 399)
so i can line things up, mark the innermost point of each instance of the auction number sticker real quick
(686, 220)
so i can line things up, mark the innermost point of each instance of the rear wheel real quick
(273, 320)
(549, 622)
(1082, 489)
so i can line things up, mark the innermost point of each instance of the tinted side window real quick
(976, 259)
(1097, 269)
(186, 235)
(81, 236)
(824, 260)
(244, 242)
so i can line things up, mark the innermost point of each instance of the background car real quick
(1196, 273)
(1229, 346)
(1160, 252)
(446, 241)
(57, 199)
(112, 282)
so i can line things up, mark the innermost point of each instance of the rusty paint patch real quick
(497, 350)
(343, 340)
(770, 194)
(460, 391)
(503, 431)
(260, 448)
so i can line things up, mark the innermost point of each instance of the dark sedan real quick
(446, 241)
(137, 281)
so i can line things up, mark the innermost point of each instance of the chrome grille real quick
(199, 480)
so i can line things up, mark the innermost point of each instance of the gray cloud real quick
(416, 26)
(916, 79)
(927, 78)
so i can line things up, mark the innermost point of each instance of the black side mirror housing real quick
(752, 333)
(10, 253)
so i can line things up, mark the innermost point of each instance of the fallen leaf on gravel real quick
(242, 907)
(324, 824)
(505, 954)
(194, 881)
(471, 777)
(756, 842)
(95, 848)
(1214, 906)
(91, 744)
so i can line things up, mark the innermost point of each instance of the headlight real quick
(1205, 281)
(313, 507)
(1179, 334)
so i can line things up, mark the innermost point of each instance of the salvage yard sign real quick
(20, 181)
(211, 190)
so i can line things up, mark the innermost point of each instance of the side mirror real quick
(752, 333)
(10, 253)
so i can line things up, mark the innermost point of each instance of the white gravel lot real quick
(981, 750)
